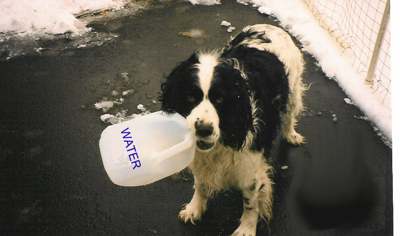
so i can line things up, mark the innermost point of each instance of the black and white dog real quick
(236, 100)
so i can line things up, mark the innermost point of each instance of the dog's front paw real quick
(191, 213)
(295, 138)
(245, 230)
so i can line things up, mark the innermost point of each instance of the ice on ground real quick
(193, 33)
(119, 101)
(39, 49)
(128, 92)
(360, 117)
(243, 2)
(205, 2)
(114, 119)
(229, 26)
(125, 76)
(104, 105)
(383, 137)
(230, 29)
(141, 108)
(108, 118)
(120, 117)
(27, 17)
(348, 101)
(334, 118)
(225, 23)
(114, 93)
(82, 46)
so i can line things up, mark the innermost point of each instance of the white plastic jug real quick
(146, 149)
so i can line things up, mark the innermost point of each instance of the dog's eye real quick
(219, 100)
(191, 99)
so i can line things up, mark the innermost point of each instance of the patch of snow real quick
(82, 46)
(27, 17)
(348, 101)
(115, 93)
(205, 2)
(243, 2)
(360, 117)
(383, 137)
(114, 119)
(108, 118)
(120, 117)
(125, 76)
(193, 33)
(229, 26)
(104, 105)
(284, 167)
(225, 23)
(128, 92)
(141, 108)
(154, 101)
(39, 49)
(378, 132)
(334, 118)
(230, 29)
(119, 101)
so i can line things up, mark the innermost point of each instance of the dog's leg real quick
(289, 132)
(257, 201)
(249, 219)
(196, 207)
(265, 195)
(294, 108)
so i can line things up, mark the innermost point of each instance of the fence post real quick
(378, 43)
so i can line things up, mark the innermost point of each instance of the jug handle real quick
(165, 154)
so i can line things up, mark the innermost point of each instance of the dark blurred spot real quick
(35, 151)
(30, 212)
(337, 196)
(31, 134)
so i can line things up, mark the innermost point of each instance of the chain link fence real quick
(361, 28)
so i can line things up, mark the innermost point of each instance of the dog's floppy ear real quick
(235, 113)
(172, 86)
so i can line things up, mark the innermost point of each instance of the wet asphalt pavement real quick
(52, 180)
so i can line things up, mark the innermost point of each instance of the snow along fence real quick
(350, 39)
(361, 30)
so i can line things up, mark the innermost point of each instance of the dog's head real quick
(212, 94)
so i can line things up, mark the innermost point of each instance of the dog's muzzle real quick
(204, 134)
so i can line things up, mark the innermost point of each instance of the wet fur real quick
(249, 91)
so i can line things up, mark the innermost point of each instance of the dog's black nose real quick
(202, 129)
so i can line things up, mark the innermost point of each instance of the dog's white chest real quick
(214, 169)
